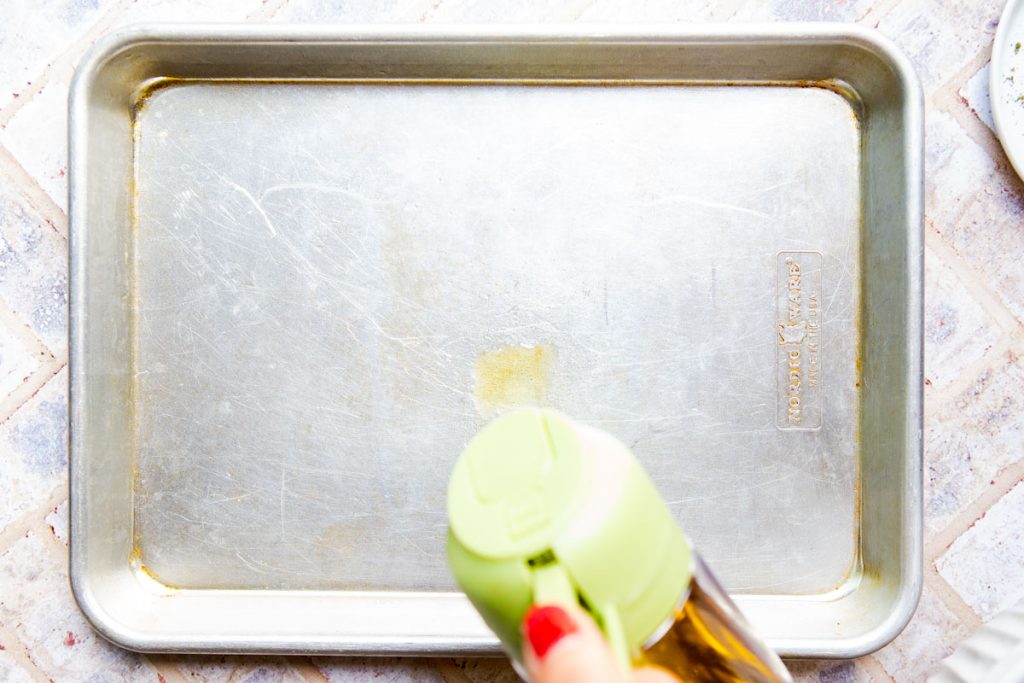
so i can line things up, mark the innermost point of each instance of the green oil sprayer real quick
(545, 510)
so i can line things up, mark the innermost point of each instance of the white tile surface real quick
(191, 10)
(329, 11)
(35, 597)
(37, 137)
(958, 331)
(941, 37)
(801, 10)
(33, 444)
(12, 671)
(929, 638)
(956, 167)
(976, 434)
(989, 239)
(33, 34)
(17, 359)
(33, 270)
(984, 565)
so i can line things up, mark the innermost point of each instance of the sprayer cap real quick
(544, 510)
(515, 485)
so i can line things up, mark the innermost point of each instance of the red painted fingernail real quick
(545, 626)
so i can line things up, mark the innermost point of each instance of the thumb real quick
(565, 646)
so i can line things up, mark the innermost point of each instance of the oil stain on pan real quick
(511, 377)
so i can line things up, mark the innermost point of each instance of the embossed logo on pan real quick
(798, 304)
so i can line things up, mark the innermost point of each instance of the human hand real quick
(565, 646)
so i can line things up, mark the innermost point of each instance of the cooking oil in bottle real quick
(708, 640)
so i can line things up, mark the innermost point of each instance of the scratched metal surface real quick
(320, 270)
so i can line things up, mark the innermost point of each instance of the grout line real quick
(64, 62)
(876, 669)
(267, 11)
(873, 17)
(31, 386)
(969, 279)
(21, 528)
(23, 96)
(425, 9)
(17, 651)
(41, 657)
(21, 330)
(59, 550)
(937, 401)
(34, 194)
(958, 80)
(49, 364)
(999, 486)
(947, 98)
(309, 671)
(967, 201)
(1009, 344)
(244, 666)
(957, 106)
(58, 554)
(572, 14)
(941, 589)
(35, 87)
(29, 521)
(953, 104)
(419, 11)
(234, 670)
(166, 671)
(57, 497)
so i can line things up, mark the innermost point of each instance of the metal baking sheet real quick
(308, 264)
